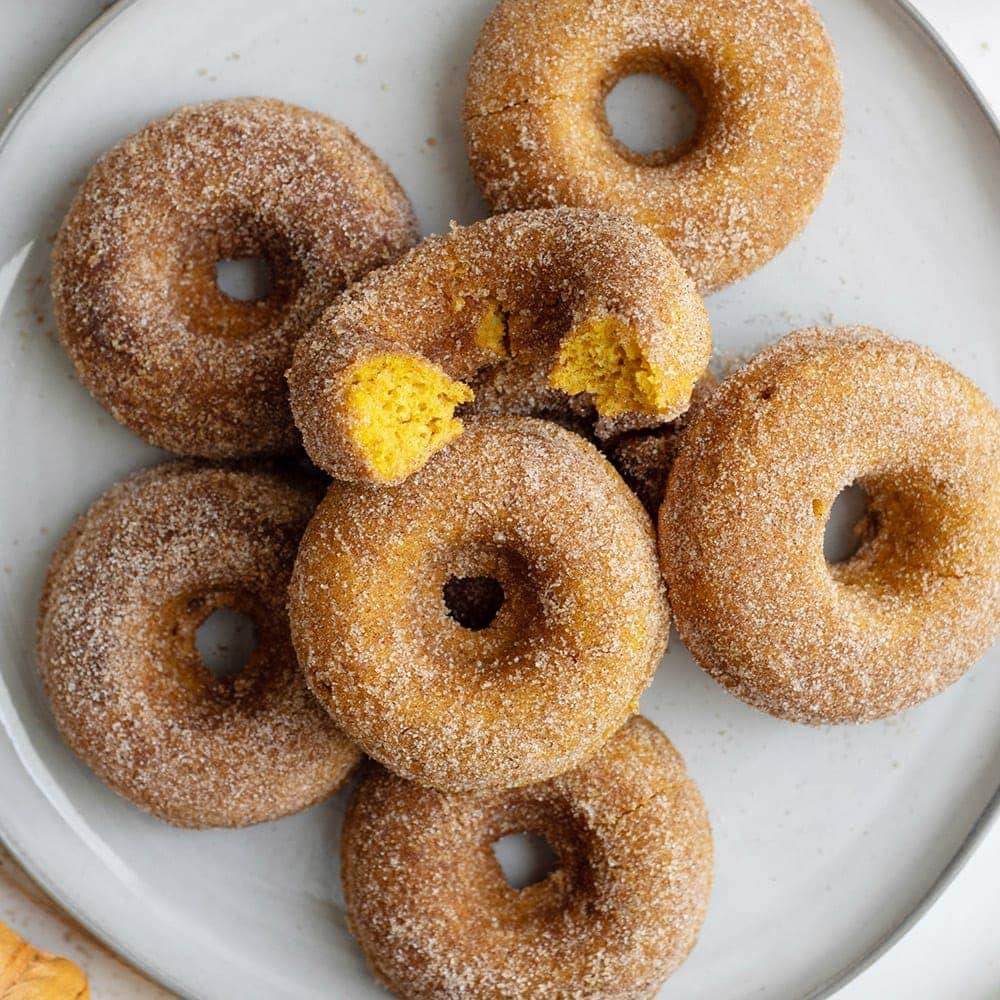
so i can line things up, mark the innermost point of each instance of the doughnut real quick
(183, 365)
(760, 73)
(576, 624)
(741, 527)
(594, 299)
(435, 917)
(125, 593)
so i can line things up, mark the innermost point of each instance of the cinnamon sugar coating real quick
(761, 73)
(749, 494)
(538, 289)
(125, 593)
(582, 626)
(436, 919)
(177, 361)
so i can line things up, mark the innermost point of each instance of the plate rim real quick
(985, 821)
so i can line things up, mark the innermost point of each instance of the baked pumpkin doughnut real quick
(761, 74)
(565, 558)
(749, 494)
(125, 593)
(593, 299)
(435, 917)
(176, 360)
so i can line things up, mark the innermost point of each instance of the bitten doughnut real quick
(435, 917)
(761, 74)
(546, 535)
(749, 494)
(593, 299)
(176, 360)
(126, 591)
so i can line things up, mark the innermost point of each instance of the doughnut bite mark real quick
(761, 74)
(749, 494)
(518, 517)
(592, 299)
(125, 594)
(152, 336)
(435, 917)
(402, 411)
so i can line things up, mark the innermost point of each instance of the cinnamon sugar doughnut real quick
(176, 360)
(125, 593)
(761, 73)
(741, 527)
(429, 905)
(580, 625)
(593, 299)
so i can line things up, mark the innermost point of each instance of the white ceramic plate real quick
(827, 839)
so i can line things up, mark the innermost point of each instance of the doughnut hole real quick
(908, 532)
(473, 601)
(401, 411)
(652, 108)
(487, 604)
(600, 357)
(552, 874)
(192, 268)
(848, 524)
(525, 858)
(246, 279)
(650, 114)
(179, 677)
(225, 641)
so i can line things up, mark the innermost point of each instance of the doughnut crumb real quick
(402, 411)
(601, 358)
(491, 334)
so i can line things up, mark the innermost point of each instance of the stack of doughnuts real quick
(461, 589)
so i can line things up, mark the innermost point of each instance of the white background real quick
(955, 950)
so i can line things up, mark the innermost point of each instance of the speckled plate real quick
(828, 840)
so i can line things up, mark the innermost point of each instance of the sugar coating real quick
(125, 593)
(545, 275)
(435, 917)
(177, 361)
(582, 628)
(749, 495)
(762, 74)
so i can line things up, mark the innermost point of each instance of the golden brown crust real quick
(430, 908)
(742, 524)
(583, 624)
(762, 72)
(125, 592)
(177, 361)
(545, 272)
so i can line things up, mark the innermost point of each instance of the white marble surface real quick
(952, 952)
